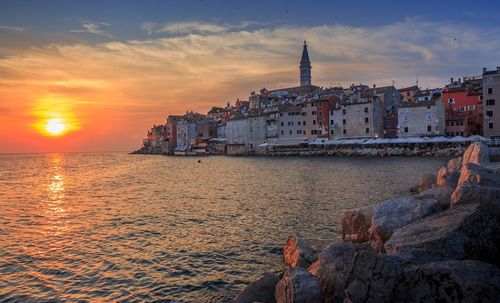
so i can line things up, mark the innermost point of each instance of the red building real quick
(391, 125)
(463, 107)
(323, 106)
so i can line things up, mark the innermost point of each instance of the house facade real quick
(491, 105)
(425, 118)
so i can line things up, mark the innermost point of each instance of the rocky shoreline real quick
(440, 245)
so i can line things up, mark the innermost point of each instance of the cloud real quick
(148, 27)
(93, 28)
(127, 85)
(192, 27)
(12, 28)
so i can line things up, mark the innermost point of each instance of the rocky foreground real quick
(440, 245)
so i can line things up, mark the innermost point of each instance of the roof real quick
(404, 89)
(304, 61)
(418, 103)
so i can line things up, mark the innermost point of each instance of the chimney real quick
(484, 70)
(374, 85)
(498, 68)
(451, 80)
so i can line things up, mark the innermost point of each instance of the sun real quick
(55, 127)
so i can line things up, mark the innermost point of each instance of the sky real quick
(95, 75)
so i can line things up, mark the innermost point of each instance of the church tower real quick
(305, 67)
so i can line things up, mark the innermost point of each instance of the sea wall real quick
(440, 245)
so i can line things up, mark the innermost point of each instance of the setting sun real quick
(55, 127)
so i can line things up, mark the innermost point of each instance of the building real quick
(361, 119)
(391, 125)
(463, 107)
(491, 106)
(245, 135)
(425, 118)
(407, 93)
(170, 134)
(305, 68)
(323, 105)
(427, 95)
(298, 123)
(389, 97)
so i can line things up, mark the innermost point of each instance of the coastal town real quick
(466, 109)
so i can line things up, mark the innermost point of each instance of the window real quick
(289, 114)
(299, 132)
(298, 123)
(490, 102)
(490, 125)
(366, 109)
(343, 111)
(332, 132)
(331, 112)
(406, 129)
(366, 119)
(331, 122)
(344, 131)
(321, 114)
(304, 113)
(282, 132)
(314, 122)
(428, 107)
(343, 121)
(281, 114)
(313, 112)
(320, 122)
(290, 132)
(451, 101)
(460, 122)
(460, 133)
(304, 123)
(471, 107)
(490, 90)
(449, 134)
(449, 123)
(367, 130)
(408, 94)
(314, 132)
(489, 113)
(429, 128)
(282, 123)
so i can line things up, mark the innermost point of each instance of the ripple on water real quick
(115, 227)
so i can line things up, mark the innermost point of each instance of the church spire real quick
(305, 67)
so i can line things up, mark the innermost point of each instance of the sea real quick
(114, 227)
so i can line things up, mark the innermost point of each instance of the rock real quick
(261, 290)
(355, 224)
(441, 177)
(441, 194)
(373, 278)
(393, 214)
(477, 153)
(476, 184)
(297, 252)
(461, 232)
(297, 286)
(449, 281)
(426, 182)
(334, 267)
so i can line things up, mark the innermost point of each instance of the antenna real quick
(393, 82)
(417, 80)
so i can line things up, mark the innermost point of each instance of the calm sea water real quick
(133, 228)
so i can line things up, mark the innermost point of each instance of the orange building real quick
(463, 107)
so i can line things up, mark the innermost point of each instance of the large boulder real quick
(297, 252)
(477, 153)
(426, 182)
(476, 184)
(441, 194)
(261, 290)
(448, 176)
(461, 232)
(355, 224)
(297, 285)
(449, 281)
(393, 214)
(334, 267)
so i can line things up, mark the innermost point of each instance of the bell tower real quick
(305, 67)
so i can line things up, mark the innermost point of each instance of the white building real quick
(245, 135)
(297, 124)
(186, 134)
(422, 118)
(361, 119)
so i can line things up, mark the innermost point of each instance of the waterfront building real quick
(363, 118)
(463, 106)
(323, 106)
(388, 96)
(298, 123)
(391, 124)
(425, 118)
(491, 106)
(244, 135)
